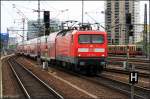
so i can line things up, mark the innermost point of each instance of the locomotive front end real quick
(92, 49)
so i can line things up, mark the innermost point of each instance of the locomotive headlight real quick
(83, 49)
(103, 55)
(99, 50)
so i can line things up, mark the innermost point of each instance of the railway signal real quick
(129, 26)
(130, 30)
(47, 22)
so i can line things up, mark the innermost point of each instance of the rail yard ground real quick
(70, 85)
(80, 86)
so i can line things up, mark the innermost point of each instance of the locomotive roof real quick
(63, 32)
(96, 31)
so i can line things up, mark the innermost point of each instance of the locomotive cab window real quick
(97, 38)
(84, 39)
(94, 38)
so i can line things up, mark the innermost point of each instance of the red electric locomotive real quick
(79, 50)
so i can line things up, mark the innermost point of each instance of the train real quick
(134, 50)
(77, 50)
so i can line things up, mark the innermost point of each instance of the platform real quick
(2, 57)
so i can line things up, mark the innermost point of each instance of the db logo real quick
(91, 49)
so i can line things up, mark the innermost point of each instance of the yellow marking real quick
(74, 86)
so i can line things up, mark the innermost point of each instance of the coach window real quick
(121, 48)
(139, 49)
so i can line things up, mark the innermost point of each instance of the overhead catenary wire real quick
(10, 13)
(95, 21)
(48, 4)
(24, 16)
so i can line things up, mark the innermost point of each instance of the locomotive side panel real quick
(64, 46)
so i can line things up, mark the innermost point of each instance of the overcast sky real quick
(10, 18)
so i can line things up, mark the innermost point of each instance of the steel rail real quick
(115, 85)
(19, 81)
(130, 59)
(146, 75)
(57, 95)
(125, 87)
(46, 85)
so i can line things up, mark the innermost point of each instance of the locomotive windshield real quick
(94, 38)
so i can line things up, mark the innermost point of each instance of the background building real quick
(4, 40)
(115, 20)
(55, 25)
(33, 30)
(148, 31)
(12, 42)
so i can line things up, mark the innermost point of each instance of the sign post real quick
(133, 79)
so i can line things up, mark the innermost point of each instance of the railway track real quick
(142, 82)
(140, 92)
(31, 85)
(100, 91)
(138, 64)
(145, 75)
(137, 67)
(130, 59)
(142, 67)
